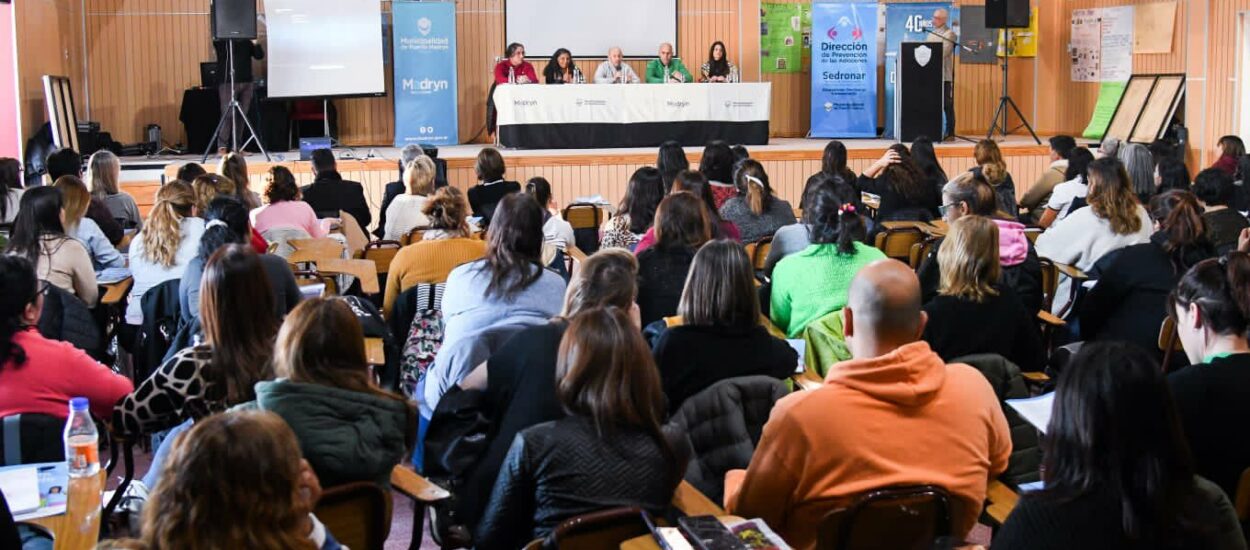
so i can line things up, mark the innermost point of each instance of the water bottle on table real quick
(82, 441)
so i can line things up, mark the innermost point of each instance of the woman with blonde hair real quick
(234, 167)
(236, 480)
(447, 244)
(973, 312)
(405, 211)
(105, 170)
(756, 211)
(75, 200)
(990, 164)
(166, 245)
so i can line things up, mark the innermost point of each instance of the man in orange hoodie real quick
(894, 415)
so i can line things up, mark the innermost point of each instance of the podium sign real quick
(918, 102)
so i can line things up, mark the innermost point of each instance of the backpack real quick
(424, 335)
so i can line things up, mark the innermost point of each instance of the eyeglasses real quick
(946, 208)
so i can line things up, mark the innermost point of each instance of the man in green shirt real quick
(667, 65)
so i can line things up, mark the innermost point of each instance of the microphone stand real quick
(966, 49)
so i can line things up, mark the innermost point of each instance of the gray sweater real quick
(755, 227)
(786, 241)
(286, 294)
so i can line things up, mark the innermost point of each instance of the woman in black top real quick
(1117, 471)
(973, 313)
(1171, 173)
(720, 335)
(609, 452)
(905, 193)
(491, 187)
(681, 227)
(1216, 190)
(1133, 284)
(926, 159)
(1211, 306)
(670, 161)
(560, 69)
(833, 162)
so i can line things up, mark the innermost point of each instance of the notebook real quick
(1035, 410)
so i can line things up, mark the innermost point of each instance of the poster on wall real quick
(908, 22)
(844, 70)
(1019, 42)
(425, 73)
(1153, 26)
(972, 33)
(1117, 44)
(781, 37)
(1086, 45)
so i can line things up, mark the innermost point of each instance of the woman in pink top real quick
(37, 375)
(285, 210)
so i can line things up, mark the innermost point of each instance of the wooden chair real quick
(692, 502)
(893, 517)
(311, 250)
(415, 235)
(364, 271)
(1000, 501)
(602, 529)
(358, 514)
(575, 257)
(422, 492)
(355, 235)
(1050, 282)
(759, 253)
(381, 253)
(1241, 501)
(1169, 342)
(920, 251)
(585, 219)
(896, 239)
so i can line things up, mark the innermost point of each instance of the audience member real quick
(717, 165)
(167, 244)
(1117, 469)
(1241, 199)
(234, 166)
(1109, 148)
(696, 184)
(10, 188)
(560, 68)
(1113, 220)
(667, 68)
(636, 213)
(514, 69)
(970, 195)
(756, 211)
(348, 429)
(38, 375)
(225, 224)
(1211, 307)
(396, 188)
(610, 450)
(283, 208)
(491, 187)
(405, 211)
(1162, 150)
(1140, 166)
(1231, 151)
(1069, 195)
(806, 465)
(189, 171)
(681, 227)
(1171, 174)
(329, 194)
(990, 163)
(1133, 285)
(1039, 193)
(557, 232)
(446, 245)
(507, 289)
(75, 199)
(719, 334)
(718, 67)
(793, 238)
(833, 163)
(236, 481)
(925, 157)
(39, 237)
(520, 378)
(905, 194)
(974, 312)
(740, 154)
(813, 283)
(105, 171)
(670, 161)
(208, 187)
(67, 162)
(1215, 191)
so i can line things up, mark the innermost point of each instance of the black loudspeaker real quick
(1006, 14)
(234, 19)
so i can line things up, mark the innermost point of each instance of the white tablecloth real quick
(632, 103)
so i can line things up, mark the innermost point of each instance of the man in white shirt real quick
(615, 70)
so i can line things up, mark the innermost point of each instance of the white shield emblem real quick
(424, 25)
(923, 55)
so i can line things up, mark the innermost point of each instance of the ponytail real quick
(851, 228)
(752, 183)
(1220, 287)
(163, 232)
(1180, 217)
(995, 173)
(835, 217)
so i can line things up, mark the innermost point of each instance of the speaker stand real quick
(999, 122)
(233, 109)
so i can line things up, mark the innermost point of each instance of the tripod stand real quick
(232, 109)
(999, 122)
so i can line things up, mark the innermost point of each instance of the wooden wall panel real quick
(49, 42)
(1213, 100)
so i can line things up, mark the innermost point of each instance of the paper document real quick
(800, 346)
(51, 483)
(1035, 410)
(21, 489)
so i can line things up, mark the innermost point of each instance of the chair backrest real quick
(920, 251)
(759, 254)
(894, 517)
(603, 529)
(1241, 501)
(31, 439)
(896, 239)
(415, 235)
(356, 237)
(311, 250)
(283, 237)
(585, 219)
(359, 514)
(1050, 282)
(381, 253)
(1032, 233)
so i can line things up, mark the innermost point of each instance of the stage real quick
(578, 173)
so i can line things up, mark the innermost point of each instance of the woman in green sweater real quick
(814, 283)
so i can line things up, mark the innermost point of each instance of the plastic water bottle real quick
(577, 76)
(733, 74)
(511, 75)
(668, 75)
(82, 441)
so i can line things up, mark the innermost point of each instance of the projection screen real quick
(589, 27)
(325, 48)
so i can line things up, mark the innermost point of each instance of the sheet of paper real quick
(1035, 410)
(1153, 26)
(1109, 94)
(21, 489)
(1086, 45)
(799, 346)
(1117, 43)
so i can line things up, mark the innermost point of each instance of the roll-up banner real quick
(425, 73)
(844, 69)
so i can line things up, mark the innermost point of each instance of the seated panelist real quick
(561, 69)
(515, 69)
(718, 68)
(615, 70)
(667, 68)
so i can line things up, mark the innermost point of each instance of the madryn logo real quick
(677, 104)
(524, 102)
(425, 85)
(424, 26)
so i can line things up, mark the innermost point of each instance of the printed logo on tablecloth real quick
(525, 103)
(740, 104)
(592, 102)
(677, 104)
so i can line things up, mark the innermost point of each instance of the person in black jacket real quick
(329, 192)
(609, 452)
(906, 194)
(681, 227)
(971, 194)
(973, 313)
(1118, 471)
(396, 188)
(1133, 283)
(1215, 189)
(491, 187)
(720, 335)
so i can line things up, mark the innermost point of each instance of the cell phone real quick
(708, 533)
